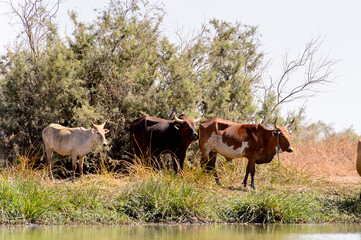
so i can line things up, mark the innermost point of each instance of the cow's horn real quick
(103, 124)
(275, 124)
(177, 119)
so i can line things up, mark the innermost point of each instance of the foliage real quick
(121, 67)
(228, 70)
(321, 131)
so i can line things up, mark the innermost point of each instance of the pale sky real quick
(284, 25)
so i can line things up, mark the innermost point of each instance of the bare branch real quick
(317, 72)
(35, 17)
(301, 78)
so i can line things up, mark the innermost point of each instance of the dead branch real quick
(35, 17)
(317, 71)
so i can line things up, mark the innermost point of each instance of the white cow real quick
(72, 141)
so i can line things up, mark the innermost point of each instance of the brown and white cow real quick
(72, 141)
(255, 142)
(151, 137)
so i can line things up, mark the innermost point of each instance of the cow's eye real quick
(98, 133)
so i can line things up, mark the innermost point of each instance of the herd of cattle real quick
(151, 136)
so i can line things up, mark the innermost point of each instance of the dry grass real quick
(333, 159)
(315, 177)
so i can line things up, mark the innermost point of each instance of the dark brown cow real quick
(151, 136)
(255, 142)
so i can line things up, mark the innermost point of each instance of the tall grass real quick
(30, 199)
(333, 158)
(271, 207)
(24, 200)
(285, 193)
(163, 198)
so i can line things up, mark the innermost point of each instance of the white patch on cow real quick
(215, 143)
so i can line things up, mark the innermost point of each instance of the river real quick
(178, 232)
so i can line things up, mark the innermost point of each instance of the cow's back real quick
(63, 139)
(146, 131)
(49, 133)
(225, 137)
(214, 126)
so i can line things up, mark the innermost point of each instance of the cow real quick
(152, 136)
(358, 159)
(76, 142)
(255, 142)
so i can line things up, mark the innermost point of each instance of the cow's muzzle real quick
(105, 144)
(289, 150)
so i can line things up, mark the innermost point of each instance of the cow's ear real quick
(177, 126)
(106, 131)
(275, 133)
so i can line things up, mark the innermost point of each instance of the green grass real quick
(163, 198)
(149, 196)
(33, 200)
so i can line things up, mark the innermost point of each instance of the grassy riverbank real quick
(284, 194)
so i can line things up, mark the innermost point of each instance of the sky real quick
(284, 26)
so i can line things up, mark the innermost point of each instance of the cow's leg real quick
(204, 161)
(246, 176)
(250, 169)
(73, 163)
(211, 165)
(48, 155)
(204, 158)
(178, 161)
(253, 170)
(81, 162)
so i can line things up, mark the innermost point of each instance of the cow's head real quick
(283, 138)
(187, 126)
(99, 134)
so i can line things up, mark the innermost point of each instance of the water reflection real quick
(178, 232)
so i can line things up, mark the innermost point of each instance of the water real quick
(178, 232)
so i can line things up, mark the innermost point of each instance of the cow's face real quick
(283, 139)
(187, 126)
(99, 134)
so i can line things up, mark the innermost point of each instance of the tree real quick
(39, 83)
(227, 63)
(121, 67)
(130, 69)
